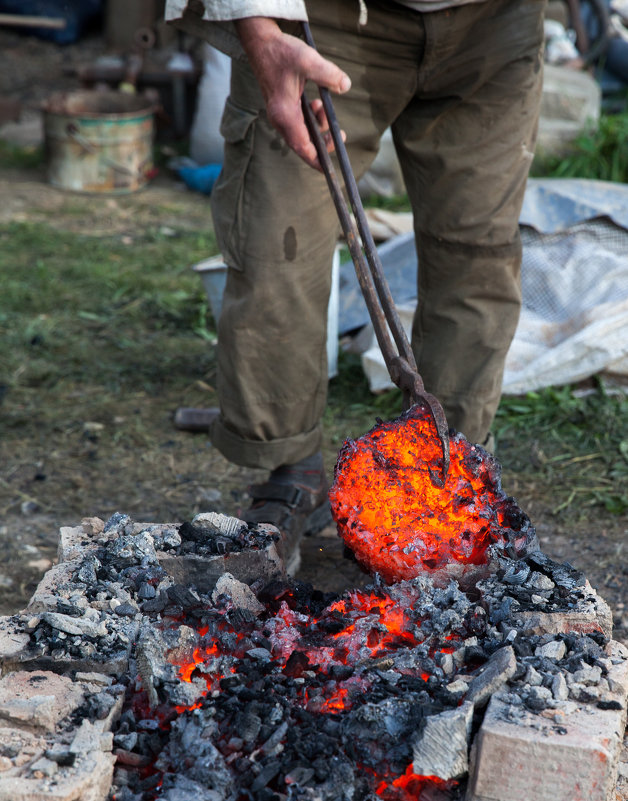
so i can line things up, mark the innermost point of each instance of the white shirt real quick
(213, 19)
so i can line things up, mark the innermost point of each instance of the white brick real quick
(531, 759)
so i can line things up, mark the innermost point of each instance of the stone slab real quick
(572, 756)
(442, 747)
(38, 700)
(499, 668)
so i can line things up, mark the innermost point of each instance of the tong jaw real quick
(411, 384)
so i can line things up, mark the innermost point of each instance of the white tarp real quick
(574, 319)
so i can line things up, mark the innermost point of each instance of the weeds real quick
(576, 444)
(75, 308)
(600, 155)
(16, 157)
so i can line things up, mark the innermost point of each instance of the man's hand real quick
(282, 64)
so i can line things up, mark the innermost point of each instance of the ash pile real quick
(68, 659)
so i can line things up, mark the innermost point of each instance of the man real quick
(459, 83)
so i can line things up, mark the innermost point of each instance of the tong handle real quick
(401, 364)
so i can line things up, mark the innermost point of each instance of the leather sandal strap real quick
(282, 493)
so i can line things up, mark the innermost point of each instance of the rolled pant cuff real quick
(265, 455)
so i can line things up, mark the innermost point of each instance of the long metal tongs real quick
(401, 363)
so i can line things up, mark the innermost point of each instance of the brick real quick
(74, 544)
(56, 584)
(89, 779)
(12, 640)
(38, 700)
(592, 614)
(533, 757)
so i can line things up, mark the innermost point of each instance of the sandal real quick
(297, 508)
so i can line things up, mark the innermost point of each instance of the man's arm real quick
(282, 64)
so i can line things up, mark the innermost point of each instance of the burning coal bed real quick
(473, 667)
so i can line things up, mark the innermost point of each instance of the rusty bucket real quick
(98, 141)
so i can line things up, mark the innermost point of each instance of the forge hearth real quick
(168, 662)
(123, 679)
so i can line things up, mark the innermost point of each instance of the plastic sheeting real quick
(555, 204)
(574, 319)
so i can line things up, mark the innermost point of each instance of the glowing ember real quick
(410, 786)
(348, 633)
(398, 523)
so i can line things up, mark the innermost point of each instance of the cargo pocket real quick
(227, 195)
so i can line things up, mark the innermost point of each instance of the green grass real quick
(601, 154)
(575, 446)
(14, 156)
(105, 318)
(93, 317)
(75, 308)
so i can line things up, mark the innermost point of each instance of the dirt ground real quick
(140, 464)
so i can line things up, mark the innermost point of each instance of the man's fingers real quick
(292, 128)
(323, 125)
(324, 72)
(319, 113)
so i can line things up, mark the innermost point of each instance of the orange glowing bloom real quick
(397, 522)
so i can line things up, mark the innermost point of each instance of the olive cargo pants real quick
(460, 89)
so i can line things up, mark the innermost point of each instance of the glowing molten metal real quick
(397, 522)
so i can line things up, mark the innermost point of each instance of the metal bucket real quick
(98, 141)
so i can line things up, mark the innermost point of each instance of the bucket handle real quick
(73, 133)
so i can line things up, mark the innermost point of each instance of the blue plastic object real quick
(200, 179)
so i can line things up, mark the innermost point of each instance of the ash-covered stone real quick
(117, 523)
(441, 748)
(87, 626)
(240, 594)
(492, 677)
(554, 650)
